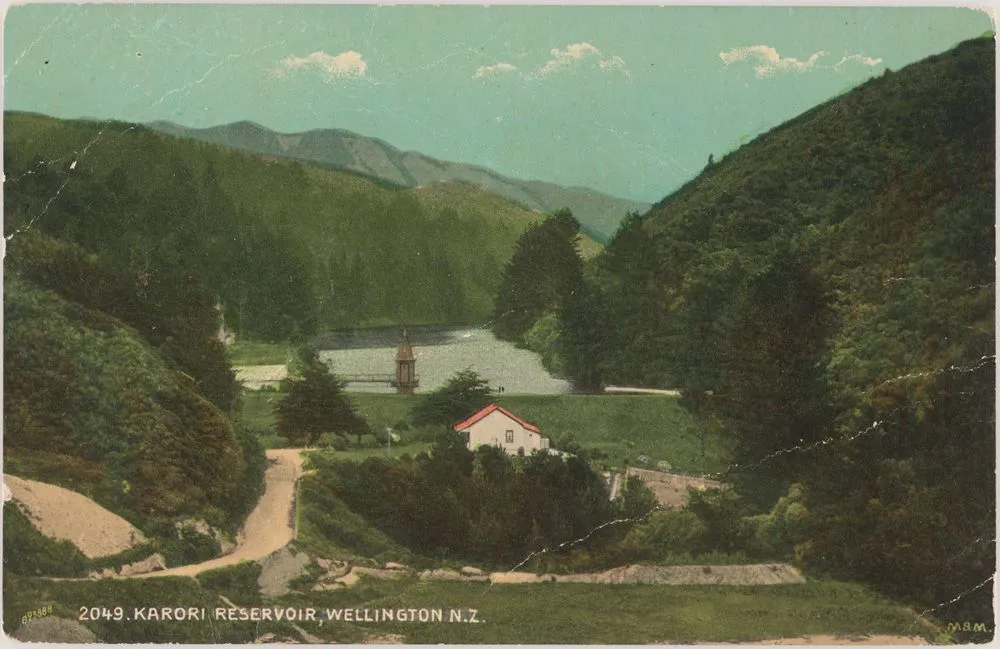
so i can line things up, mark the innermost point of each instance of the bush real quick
(186, 546)
(668, 533)
(636, 500)
(779, 532)
(382, 438)
(722, 512)
(238, 583)
(28, 552)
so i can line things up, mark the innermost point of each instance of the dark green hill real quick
(289, 247)
(599, 214)
(825, 295)
(106, 393)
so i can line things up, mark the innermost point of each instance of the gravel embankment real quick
(67, 515)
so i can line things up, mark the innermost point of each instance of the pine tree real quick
(315, 404)
(543, 266)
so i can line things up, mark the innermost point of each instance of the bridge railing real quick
(373, 378)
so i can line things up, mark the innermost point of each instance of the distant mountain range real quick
(599, 214)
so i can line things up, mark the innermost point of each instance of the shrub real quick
(187, 545)
(28, 552)
(238, 583)
(778, 532)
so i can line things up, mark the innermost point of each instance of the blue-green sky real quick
(627, 100)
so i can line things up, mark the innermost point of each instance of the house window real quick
(510, 437)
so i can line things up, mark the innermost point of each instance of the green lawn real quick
(622, 426)
(257, 409)
(545, 613)
(381, 410)
(68, 597)
(625, 426)
(358, 454)
(637, 613)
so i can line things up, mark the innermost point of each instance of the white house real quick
(495, 426)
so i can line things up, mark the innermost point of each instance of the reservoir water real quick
(440, 353)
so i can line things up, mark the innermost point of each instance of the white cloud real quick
(492, 70)
(346, 65)
(576, 53)
(562, 58)
(613, 63)
(858, 58)
(767, 61)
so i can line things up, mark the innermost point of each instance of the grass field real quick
(68, 597)
(622, 426)
(257, 408)
(625, 426)
(637, 614)
(379, 410)
(545, 613)
(358, 454)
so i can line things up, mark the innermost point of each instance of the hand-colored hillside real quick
(288, 247)
(825, 295)
(93, 405)
(599, 214)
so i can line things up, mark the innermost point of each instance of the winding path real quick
(269, 527)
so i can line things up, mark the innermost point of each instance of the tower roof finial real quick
(405, 351)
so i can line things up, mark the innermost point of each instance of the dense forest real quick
(825, 296)
(288, 248)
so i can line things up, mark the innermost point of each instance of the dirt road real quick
(269, 527)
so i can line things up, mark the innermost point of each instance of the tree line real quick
(288, 249)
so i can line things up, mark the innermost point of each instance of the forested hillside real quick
(288, 248)
(825, 296)
(598, 213)
(117, 389)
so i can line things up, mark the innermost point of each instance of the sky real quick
(626, 100)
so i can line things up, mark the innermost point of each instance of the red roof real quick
(465, 423)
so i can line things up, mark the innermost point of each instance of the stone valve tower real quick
(406, 366)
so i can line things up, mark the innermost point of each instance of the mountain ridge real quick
(599, 213)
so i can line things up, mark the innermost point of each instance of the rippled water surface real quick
(440, 353)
